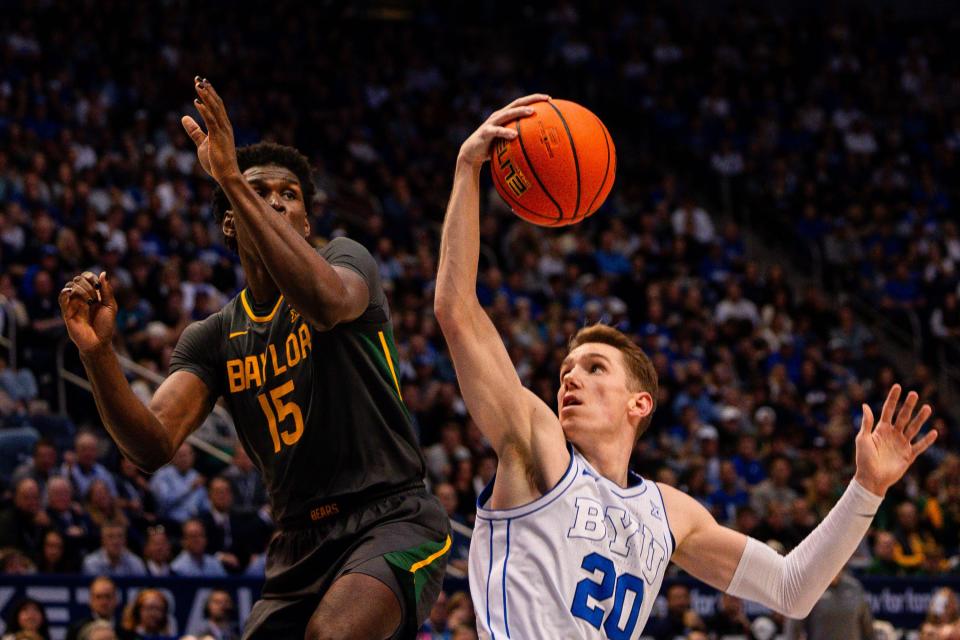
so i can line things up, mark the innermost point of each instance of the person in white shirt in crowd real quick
(157, 552)
(693, 221)
(81, 466)
(735, 307)
(194, 561)
(113, 557)
(179, 489)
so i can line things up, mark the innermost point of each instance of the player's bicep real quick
(357, 297)
(705, 549)
(181, 404)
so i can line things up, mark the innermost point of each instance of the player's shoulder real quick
(684, 512)
(209, 327)
(343, 245)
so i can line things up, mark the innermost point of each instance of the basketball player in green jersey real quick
(305, 361)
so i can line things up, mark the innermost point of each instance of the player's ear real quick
(229, 227)
(640, 405)
(306, 226)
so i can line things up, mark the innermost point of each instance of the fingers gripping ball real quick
(560, 167)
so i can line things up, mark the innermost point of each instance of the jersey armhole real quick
(566, 480)
(666, 517)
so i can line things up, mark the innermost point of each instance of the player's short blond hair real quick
(641, 375)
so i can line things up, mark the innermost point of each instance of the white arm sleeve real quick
(791, 585)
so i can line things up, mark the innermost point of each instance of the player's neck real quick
(259, 283)
(607, 459)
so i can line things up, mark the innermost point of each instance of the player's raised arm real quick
(504, 410)
(791, 585)
(147, 436)
(323, 294)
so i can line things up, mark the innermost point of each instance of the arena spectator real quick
(21, 524)
(148, 616)
(55, 557)
(40, 467)
(157, 552)
(82, 468)
(133, 493)
(97, 630)
(729, 496)
(228, 533)
(218, 618)
(911, 541)
(178, 488)
(103, 604)
(113, 557)
(679, 619)
(776, 488)
(884, 551)
(102, 506)
(249, 493)
(26, 616)
(69, 518)
(841, 612)
(729, 619)
(442, 457)
(194, 561)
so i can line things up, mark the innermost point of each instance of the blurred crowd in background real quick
(834, 136)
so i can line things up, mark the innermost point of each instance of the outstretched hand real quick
(216, 149)
(886, 452)
(475, 150)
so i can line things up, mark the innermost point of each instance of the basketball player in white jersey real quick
(568, 542)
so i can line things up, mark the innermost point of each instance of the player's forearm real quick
(792, 585)
(460, 245)
(138, 433)
(307, 281)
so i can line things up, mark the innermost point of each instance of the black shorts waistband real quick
(332, 507)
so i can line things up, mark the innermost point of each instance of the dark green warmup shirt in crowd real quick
(319, 412)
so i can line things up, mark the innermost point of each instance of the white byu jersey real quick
(585, 560)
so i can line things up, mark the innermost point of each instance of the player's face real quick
(593, 398)
(281, 189)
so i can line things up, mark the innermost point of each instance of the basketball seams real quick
(576, 160)
(512, 200)
(606, 169)
(533, 171)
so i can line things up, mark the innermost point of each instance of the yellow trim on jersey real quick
(237, 333)
(420, 565)
(386, 352)
(249, 309)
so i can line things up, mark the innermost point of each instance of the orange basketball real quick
(559, 168)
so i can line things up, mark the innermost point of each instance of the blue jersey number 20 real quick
(610, 585)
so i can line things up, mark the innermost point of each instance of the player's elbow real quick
(448, 312)
(797, 608)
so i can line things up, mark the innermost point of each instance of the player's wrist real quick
(871, 485)
(231, 179)
(465, 162)
(96, 352)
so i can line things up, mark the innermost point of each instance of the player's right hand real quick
(89, 310)
(475, 150)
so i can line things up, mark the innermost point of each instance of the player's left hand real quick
(216, 149)
(886, 452)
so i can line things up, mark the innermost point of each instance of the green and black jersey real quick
(319, 412)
